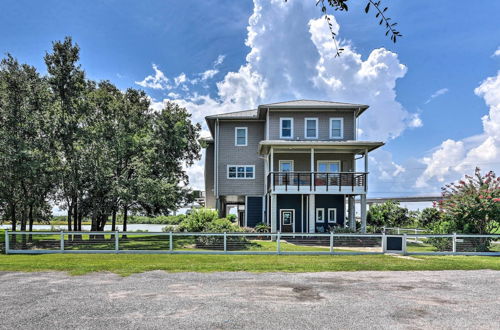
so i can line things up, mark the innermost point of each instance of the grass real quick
(129, 264)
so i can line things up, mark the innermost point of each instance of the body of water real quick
(130, 227)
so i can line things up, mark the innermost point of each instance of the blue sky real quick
(447, 51)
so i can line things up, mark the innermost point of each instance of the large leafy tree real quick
(68, 84)
(473, 204)
(26, 160)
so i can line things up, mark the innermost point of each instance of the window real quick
(336, 128)
(332, 215)
(320, 215)
(240, 136)
(286, 128)
(311, 128)
(328, 166)
(240, 171)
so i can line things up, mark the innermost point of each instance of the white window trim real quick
(236, 178)
(286, 161)
(341, 128)
(335, 219)
(236, 136)
(281, 128)
(305, 128)
(317, 211)
(293, 219)
(329, 162)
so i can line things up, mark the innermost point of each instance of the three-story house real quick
(291, 165)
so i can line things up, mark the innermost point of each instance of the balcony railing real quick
(338, 182)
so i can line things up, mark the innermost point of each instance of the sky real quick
(434, 96)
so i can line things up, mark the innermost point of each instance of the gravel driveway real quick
(341, 300)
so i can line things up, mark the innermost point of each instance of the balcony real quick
(317, 183)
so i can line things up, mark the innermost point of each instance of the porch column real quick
(312, 211)
(272, 209)
(352, 211)
(312, 159)
(366, 169)
(363, 213)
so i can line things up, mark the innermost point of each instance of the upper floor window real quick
(286, 128)
(240, 171)
(241, 136)
(311, 128)
(336, 128)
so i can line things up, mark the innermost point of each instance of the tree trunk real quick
(80, 217)
(75, 214)
(30, 219)
(13, 221)
(70, 211)
(113, 219)
(125, 215)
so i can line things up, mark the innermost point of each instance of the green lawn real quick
(129, 264)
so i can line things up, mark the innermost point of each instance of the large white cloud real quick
(292, 56)
(454, 158)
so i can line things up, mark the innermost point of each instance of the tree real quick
(473, 204)
(26, 163)
(388, 214)
(68, 84)
(380, 15)
(429, 216)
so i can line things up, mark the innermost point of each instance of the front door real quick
(287, 220)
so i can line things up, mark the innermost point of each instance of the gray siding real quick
(302, 161)
(323, 123)
(209, 177)
(229, 154)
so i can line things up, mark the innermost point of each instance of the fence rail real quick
(43, 242)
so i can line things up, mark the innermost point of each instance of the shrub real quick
(198, 220)
(221, 226)
(170, 228)
(429, 216)
(341, 230)
(231, 217)
(389, 214)
(262, 228)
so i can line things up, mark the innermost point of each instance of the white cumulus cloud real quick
(452, 158)
(291, 56)
(158, 81)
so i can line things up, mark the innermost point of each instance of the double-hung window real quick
(240, 171)
(286, 128)
(336, 128)
(241, 136)
(311, 128)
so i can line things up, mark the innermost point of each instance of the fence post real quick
(278, 247)
(331, 242)
(416, 232)
(404, 243)
(6, 241)
(171, 242)
(399, 231)
(225, 242)
(62, 241)
(384, 242)
(117, 244)
(454, 244)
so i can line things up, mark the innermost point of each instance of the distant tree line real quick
(87, 146)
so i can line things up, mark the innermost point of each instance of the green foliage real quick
(388, 214)
(473, 204)
(221, 226)
(198, 220)
(262, 228)
(429, 216)
(88, 146)
(231, 217)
